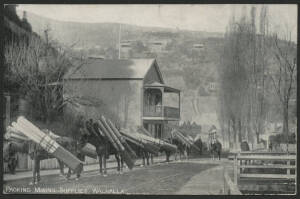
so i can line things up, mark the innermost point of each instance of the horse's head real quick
(67, 142)
(97, 130)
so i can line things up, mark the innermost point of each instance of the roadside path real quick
(208, 182)
(91, 167)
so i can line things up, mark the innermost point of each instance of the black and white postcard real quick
(151, 99)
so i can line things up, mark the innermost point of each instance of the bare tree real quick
(284, 77)
(38, 65)
(234, 77)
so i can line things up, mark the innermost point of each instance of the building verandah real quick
(157, 111)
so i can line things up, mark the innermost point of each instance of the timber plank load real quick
(116, 140)
(14, 135)
(165, 146)
(47, 143)
(179, 135)
(122, 139)
(176, 133)
(146, 145)
(153, 144)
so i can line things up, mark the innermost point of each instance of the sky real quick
(201, 17)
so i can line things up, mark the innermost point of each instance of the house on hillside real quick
(131, 92)
(157, 46)
(198, 46)
(125, 47)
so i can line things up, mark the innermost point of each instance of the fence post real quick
(224, 181)
(288, 171)
(235, 168)
(238, 168)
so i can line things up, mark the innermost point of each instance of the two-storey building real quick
(133, 91)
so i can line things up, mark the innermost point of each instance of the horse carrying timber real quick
(177, 132)
(148, 146)
(162, 144)
(123, 141)
(116, 142)
(47, 143)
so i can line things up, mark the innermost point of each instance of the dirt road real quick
(156, 179)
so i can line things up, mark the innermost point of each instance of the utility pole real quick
(120, 41)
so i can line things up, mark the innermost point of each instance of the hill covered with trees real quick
(188, 59)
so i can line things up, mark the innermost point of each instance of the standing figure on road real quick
(215, 147)
(36, 153)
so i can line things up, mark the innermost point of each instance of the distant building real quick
(131, 90)
(212, 87)
(125, 48)
(157, 45)
(198, 46)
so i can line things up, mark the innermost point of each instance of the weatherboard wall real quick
(118, 99)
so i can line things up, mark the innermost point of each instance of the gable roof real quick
(113, 69)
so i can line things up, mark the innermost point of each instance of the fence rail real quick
(267, 162)
(229, 187)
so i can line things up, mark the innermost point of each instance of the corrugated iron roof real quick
(111, 69)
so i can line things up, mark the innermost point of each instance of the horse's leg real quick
(147, 157)
(80, 157)
(33, 171)
(38, 177)
(100, 162)
(143, 157)
(118, 162)
(79, 172)
(122, 164)
(167, 157)
(104, 165)
(186, 154)
(69, 174)
(11, 165)
(152, 159)
(61, 167)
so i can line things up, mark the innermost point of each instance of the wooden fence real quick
(229, 187)
(267, 161)
(25, 163)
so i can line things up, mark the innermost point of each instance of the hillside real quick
(183, 65)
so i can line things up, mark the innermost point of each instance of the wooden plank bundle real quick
(122, 139)
(144, 131)
(13, 134)
(179, 135)
(175, 134)
(184, 139)
(147, 146)
(132, 140)
(116, 142)
(47, 143)
(162, 144)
